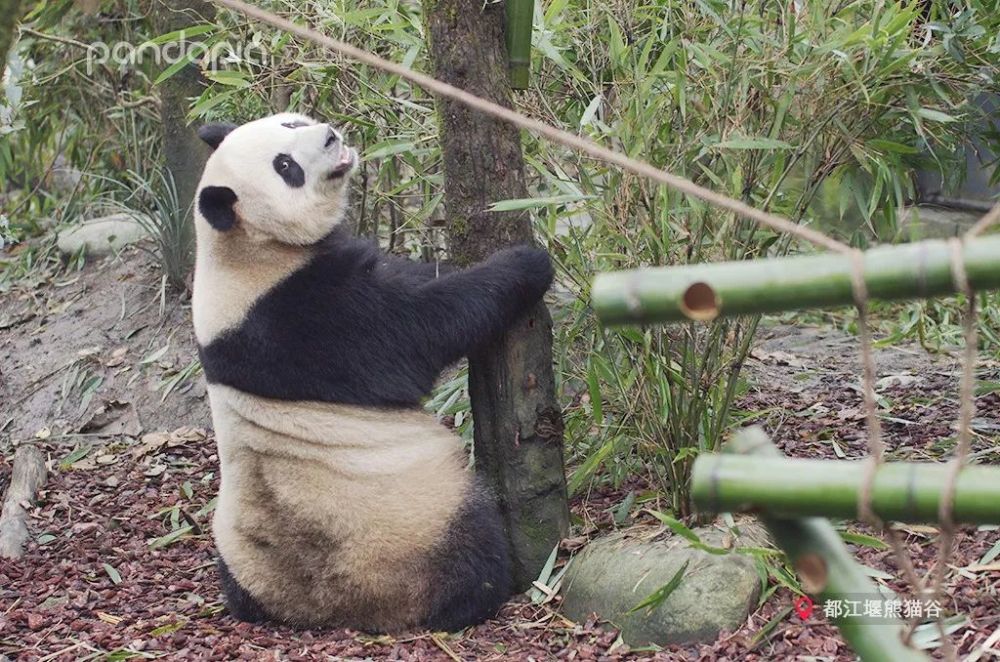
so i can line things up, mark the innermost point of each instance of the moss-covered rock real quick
(613, 575)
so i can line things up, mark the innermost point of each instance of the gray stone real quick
(101, 236)
(931, 222)
(614, 574)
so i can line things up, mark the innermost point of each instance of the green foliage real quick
(59, 115)
(819, 114)
(152, 201)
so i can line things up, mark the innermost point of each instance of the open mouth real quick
(348, 157)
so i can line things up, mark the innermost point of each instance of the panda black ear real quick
(216, 204)
(215, 133)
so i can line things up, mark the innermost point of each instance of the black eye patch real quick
(295, 125)
(290, 170)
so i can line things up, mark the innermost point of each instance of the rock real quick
(614, 574)
(101, 236)
(933, 222)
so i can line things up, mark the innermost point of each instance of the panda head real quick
(281, 178)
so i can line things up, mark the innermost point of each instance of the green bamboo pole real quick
(787, 487)
(519, 26)
(827, 570)
(705, 291)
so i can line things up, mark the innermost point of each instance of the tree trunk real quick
(10, 14)
(184, 153)
(518, 423)
(27, 477)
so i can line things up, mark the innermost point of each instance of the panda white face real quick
(281, 178)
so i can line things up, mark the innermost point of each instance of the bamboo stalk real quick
(787, 487)
(827, 570)
(703, 292)
(520, 14)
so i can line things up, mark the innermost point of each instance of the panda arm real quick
(395, 266)
(466, 309)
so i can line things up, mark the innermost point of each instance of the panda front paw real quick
(530, 268)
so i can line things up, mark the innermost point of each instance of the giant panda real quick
(342, 503)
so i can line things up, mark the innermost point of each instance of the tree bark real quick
(10, 14)
(518, 423)
(27, 477)
(184, 153)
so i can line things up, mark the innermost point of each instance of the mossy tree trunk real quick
(518, 423)
(184, 153)
(10, 14)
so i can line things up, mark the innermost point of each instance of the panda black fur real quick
(342, 503)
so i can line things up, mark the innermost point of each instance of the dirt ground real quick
(96, 367)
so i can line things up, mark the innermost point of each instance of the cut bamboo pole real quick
(703, 292)
(826, 568)
(27, 477)
(789, 487)
(520, 14)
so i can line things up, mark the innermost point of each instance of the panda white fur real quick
(342, 503)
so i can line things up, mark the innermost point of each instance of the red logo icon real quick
(803, 606)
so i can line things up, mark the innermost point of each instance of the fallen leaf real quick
(117, 357)
(149, 443)
(902, 381)
(113, 418)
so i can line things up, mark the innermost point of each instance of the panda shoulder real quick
(345, 254)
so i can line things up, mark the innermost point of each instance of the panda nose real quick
(332, 137)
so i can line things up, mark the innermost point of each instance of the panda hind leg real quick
(241, 604)
(472, 567)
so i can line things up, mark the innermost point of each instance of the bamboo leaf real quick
(169, 628)
(928, 636)
(389, 148)
(862, 539)
(890, 146)
(74, 456)
(534, 203)
(176, 67)
(179, 35)
(591, 110)
(594, 390)
(657, 598)
(753, 143)
(621, 513)
(763, 634)
(228, 77)
(171, 538)
(993, 553)
(115, 576)
(536, 594)
(675, 525)
(935, 115)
